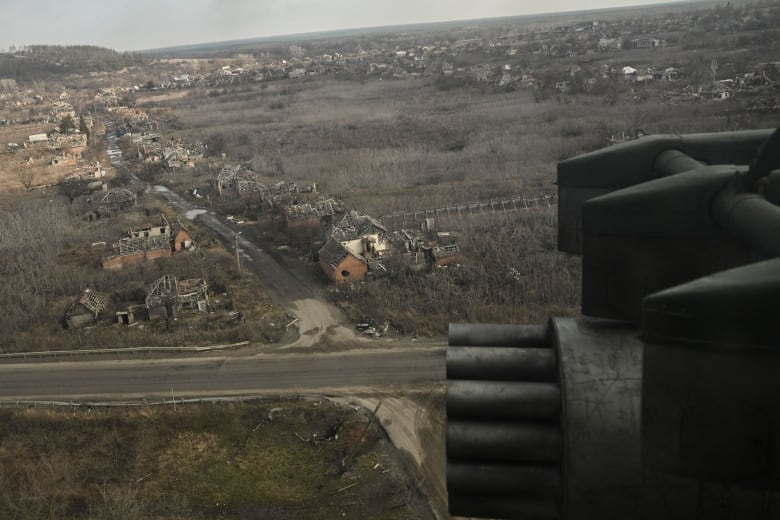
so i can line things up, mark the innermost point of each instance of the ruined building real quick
(86, 310)
(351, 242)
(320, 212)
(341, 264)
(156, 240)
(116, 200)
(236, 182)
(168, 297)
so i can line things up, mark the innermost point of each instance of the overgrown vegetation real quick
(281, 460)
(47, 260)
(485, 287)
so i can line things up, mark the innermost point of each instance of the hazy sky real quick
(144, 24)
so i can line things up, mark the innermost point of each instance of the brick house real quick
(181, 240)
(342, 265)
(158, 240)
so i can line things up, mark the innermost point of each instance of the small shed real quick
(86, 310)
(181, 240)
(445, 255)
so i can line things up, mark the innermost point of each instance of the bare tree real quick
(26, 176)
(67, 124)
(714, 69)
(120, 502)
(73, 188)
(637, 120)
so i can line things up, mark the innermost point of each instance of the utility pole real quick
(238, 257)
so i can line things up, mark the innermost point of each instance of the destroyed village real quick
(229, 269)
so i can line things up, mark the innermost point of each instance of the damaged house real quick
(425, 247)
(116, 200)
(357, 244)
(236, 182)
(283, 193)
(247, 185)
(361, 234)
(168, 297)
(226, 181)
(86, 310)
(157, 240)
(352, 242)
(342, 265)
(181, 240)
(321, 212)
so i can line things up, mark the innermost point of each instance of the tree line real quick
(36, 62)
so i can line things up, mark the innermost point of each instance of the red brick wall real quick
(357, 270)
(181, 236)
(116, 263)
(454, 259)
(157, 253)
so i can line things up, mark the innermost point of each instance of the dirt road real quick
(415, 422)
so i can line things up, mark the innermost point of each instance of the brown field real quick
(266, 459)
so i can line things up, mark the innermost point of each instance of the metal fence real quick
(173, 401)
(405, 218)
(117, 351)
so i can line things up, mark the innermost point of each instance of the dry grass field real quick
(380, 136)
(462, 144)
(268, 459)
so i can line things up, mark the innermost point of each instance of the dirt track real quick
(319, 322)
(415, 424)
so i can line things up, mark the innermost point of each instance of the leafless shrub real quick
(120, 502)
(26, 177)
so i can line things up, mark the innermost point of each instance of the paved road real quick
(282, 282)
(115, 379)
